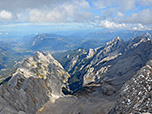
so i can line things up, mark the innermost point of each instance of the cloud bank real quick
(114, 14)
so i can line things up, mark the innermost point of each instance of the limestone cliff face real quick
(120, 64)
(114, 63)
(111, 48)
(36, 80)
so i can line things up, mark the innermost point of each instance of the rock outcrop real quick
(38, 78)
(136, 94)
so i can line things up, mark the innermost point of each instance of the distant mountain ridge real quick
(46, 42)
(110, 34)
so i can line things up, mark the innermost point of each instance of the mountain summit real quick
(38, 79)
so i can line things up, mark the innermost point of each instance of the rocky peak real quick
(138, 40)
(114, 41)
(113, 47)
(114, 44)
(39, 61)
(90, 53)
(38, 79)
(41, 65)
(146, 35)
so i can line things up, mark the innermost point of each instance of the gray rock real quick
(108, 89)
(31, 86)
(90, 53)
(136, 97)
(8, 111)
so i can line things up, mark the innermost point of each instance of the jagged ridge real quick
(35, 81)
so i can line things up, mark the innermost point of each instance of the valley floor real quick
(78, 105)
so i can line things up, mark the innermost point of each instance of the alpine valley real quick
(106, 78)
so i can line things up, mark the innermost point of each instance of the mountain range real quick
(59, 43)
(111, 79)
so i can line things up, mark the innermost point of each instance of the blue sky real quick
(75, 14)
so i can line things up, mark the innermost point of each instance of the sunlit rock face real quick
(116, 62)
(36, 80)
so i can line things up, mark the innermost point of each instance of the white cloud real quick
(140, 27)
(53, 16)
(125, 4)
(21, 5)
(77, 11)
(120, 14)
(53, 11)
(144, 17)
(125, 11)
(82, 3)
(121, 5)
(100, 4)
(111, 25)
(5, 15)
(145, 2)
(21, 17)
